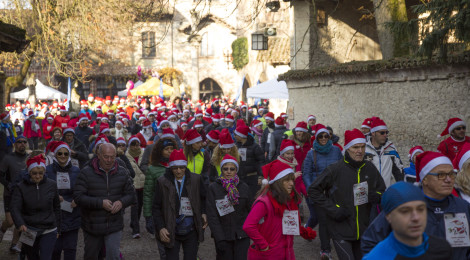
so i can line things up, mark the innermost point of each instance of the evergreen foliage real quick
(240, 53)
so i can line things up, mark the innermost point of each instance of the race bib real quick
(290, 223)
(66, 206)
(75, 163)
(242, 153)
(63, 181)
(185, 207)
(269, 138)
(457, 229)
(64, 125)
(224, 206)
(361, 192)
(28, 237)
(49, 128)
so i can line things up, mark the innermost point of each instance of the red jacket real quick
(73, 123)
(60, 121)
(450, 147)
(28, 132)
(47, 129)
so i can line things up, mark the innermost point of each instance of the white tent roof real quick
(123, 93)
(43, 92)
(270, 89)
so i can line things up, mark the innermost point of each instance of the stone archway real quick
(209, 89)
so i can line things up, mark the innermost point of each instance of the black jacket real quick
(10, 167)
(83, 133)
(264, 139)
(92, 187)
(81, 153)
(230, 226)
(337, 180)
(36, 206)
(278, 136)
(253, 160)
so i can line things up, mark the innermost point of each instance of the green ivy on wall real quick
(240, 53)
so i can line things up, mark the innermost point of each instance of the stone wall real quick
(414, 103)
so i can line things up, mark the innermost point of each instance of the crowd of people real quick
(237, 169)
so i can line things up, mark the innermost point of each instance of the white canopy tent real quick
(43, 92)
(123, 93)
(271, 89)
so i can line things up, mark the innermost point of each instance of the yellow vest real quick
(263, 120)
(196, 165)
(218, 169)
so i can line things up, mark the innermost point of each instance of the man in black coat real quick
(83, 131)
(78, 150)
(102, 191)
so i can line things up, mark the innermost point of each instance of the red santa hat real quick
(82, 117)
(198, 113)
(208, 112)
(367, 123)
(134, 138)
(310, 117)
(287, 145)
(279, 122)
(192, 136)
(171, 115)
(108, 98)
(183, 123)
(177, 158)
(146, 123)
(242, 131)
(36, 161)
(319, 128)
(143, 141)
(414, 150)
(427, 161)
(261, 108)
(98, 108)
(63, 109)
(301, 126)
(57, 145)
(104, 128)
(256, 123)
(30, 113)
(197, 124)
(213, 135)
(275, 171)
(462, 156)
(168, 133)
(104, 118)
(451, 125)
(119, 122)
(121, 140)
(229, 159)
(69, 130)
(90, 95)
(110, 112)
(377, 125)
(225, 139)
(284, 115)
(229, 118)
(215, 117)
(269, 116)
(352, 137)
(163, 121)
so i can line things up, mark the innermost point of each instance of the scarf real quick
(134, 152)
(120, 133)
(280, 208)
(230, 185)
(34, 125)
(323, 149)
(258, 134)
(292, 164)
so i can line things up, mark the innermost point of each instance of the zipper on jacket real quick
(107, 192)
(357, 206)
(37, 191)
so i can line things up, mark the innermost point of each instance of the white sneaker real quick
(136, 236)
(15, 249)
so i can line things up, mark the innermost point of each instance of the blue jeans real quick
(66, 242)
(42, 248)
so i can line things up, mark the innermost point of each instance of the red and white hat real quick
(30, 113)
(275, 171)
(198, 113)
(284, 115)
(378, 124)
(168, 133)
(177, 158)
(143, 141)
(146, 123)
(225, 139)
(192, 136)
(98, 108)
(242, 131)
(256, 123)
(102, 139)
(367, 123)
(63, 109)
(462, 156)
(229, 159)
(104, 128)
(414, 150)
(121, 140)
(119, 122)
(215, 117)
(36, 161)
(310, 117)
(68, 130)
(352, 137)
(301, 126)
(198, 124)
(229, 118)
(183, 123)
(287, 145)
(4, 116)
(279, 122)
(110, 112)
(319, 128)
(57, 145)
(269, 116)
(82, 117)
(213, 135)
(427, 161)
(451, 124)
(133, 138)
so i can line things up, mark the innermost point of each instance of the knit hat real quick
(256, 123)
(414, 150)
(82, 117)
(197, 124)
(168, 133)
(21, 137)
(132, 139)
(367, 123)
(319, 128)
(426, 161)
(177, 158)
(192, 136)
(229, 159)
(301, 126)
(225, 139)
(400, 193)
(352, 137)
(36, 161)
(269, 116)
(287, 145)
(102, 139)
(462, 156)
(68, 130)
(311, 117)
(229, 118)
(451, 124)
(275, 170)
(213, 136)
(377, 125)
(121, 140)
(279, 122)
(242, 131)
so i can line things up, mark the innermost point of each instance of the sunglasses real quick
(325, 136)
(61, 153)
(178, 167)
(460, 128)
(232, 169)
(443, 175)
(383, 132)
(36, 173)
(135, 144)
(21, 142)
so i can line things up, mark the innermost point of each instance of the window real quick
(207, 45)
(148, 45)
(259, 42)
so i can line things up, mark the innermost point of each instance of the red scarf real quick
(279, 208)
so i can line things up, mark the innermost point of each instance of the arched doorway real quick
(209, 89)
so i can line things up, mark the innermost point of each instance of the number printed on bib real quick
(290, 223)
(361, 193)
(185, 207)
(457, 229)
(63, 181)
(224, 206)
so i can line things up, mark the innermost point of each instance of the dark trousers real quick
(348, 250)
(313, 219)
(136, 211)
(95, 243)
(42, 248)
(236, 250)
(33, 143)
(66, 242)
(190, 246)
(323, 229)
(252, 182)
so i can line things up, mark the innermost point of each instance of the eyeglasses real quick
(64, 154)
(460, 128)
(383, 132)
(325, 136)
(21, 142)
(232, 169)
(443, 175)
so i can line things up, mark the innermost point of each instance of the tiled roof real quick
(278, 51)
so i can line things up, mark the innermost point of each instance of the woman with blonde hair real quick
(462, 181)
(226, 146)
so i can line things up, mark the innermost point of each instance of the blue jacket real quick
(69, 221)
(379, 229)
(310, 171)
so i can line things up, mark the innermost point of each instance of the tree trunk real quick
(387, 11)
(176, 88)
(31, 84)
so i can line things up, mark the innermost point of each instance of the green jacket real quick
(151, 176)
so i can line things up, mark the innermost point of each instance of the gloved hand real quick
(307, 233)
(149, 225)
(222, 245)
(341, 214)
(374, 197)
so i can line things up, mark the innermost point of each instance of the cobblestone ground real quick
(146, 248)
